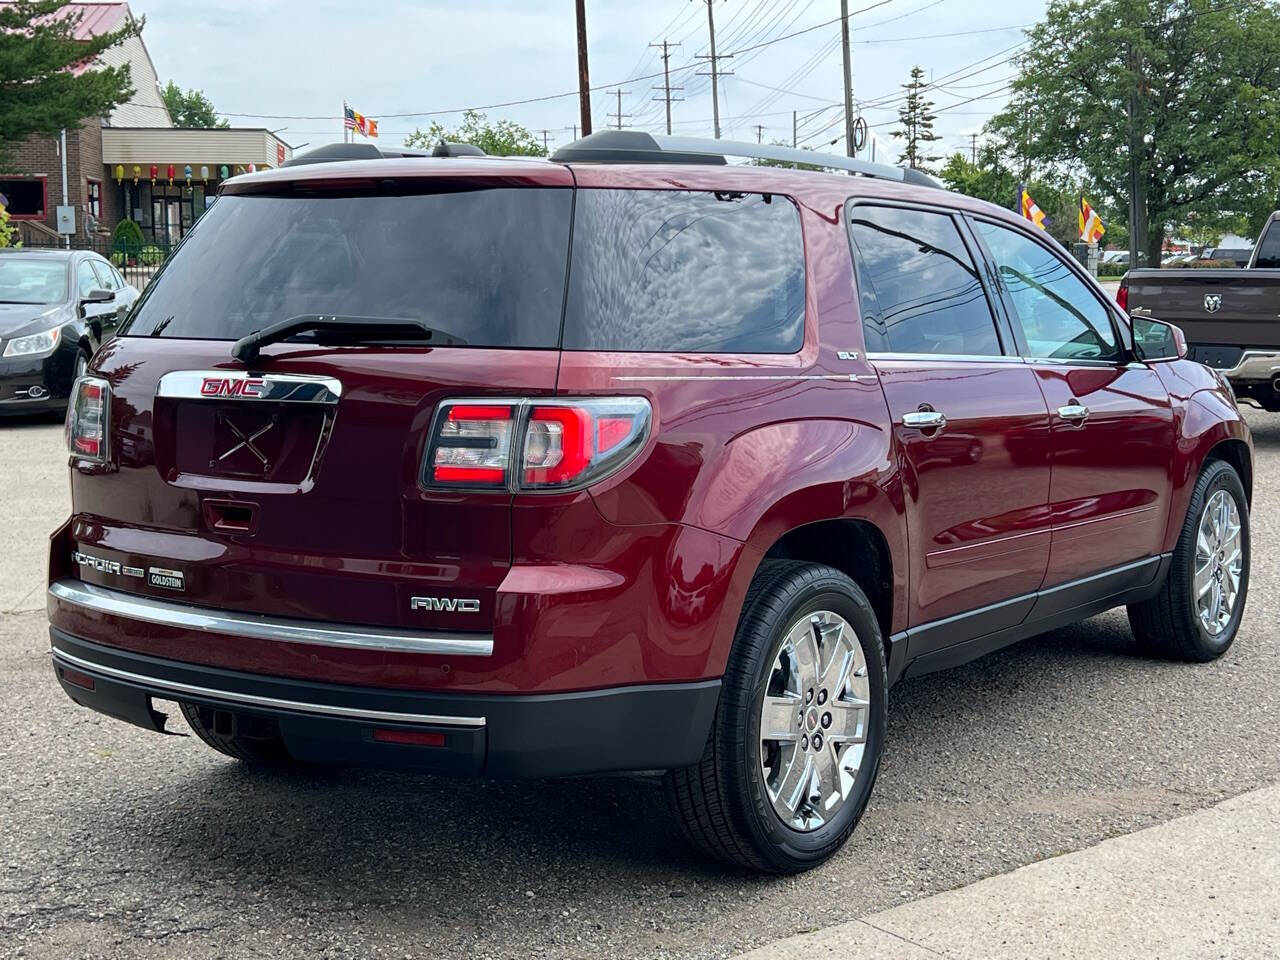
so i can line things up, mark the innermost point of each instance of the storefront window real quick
(26, 198)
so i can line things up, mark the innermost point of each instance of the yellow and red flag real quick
(1029, 209)
(1091, 226)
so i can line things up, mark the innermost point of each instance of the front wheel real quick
(796, 742)
(1196, 614)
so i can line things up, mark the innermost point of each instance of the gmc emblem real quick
(252, 387)
(444, 604)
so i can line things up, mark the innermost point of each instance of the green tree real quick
(991, 178)
(503, 138)
(39, 93)
(916, 116)
(190, 109)
(1179, 99)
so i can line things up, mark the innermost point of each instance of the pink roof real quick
(95, 18)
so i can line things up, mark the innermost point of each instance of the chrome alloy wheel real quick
(1219, 560)
(814, 719)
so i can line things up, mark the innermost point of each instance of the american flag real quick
(348, 118)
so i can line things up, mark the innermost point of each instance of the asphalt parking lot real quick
(119, 843)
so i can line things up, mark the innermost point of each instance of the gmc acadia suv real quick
(627, 460)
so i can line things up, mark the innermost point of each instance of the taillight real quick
(1122, 295)
(472, 445)
(527, 444)
(87, 418)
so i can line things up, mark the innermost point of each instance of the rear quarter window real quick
(684, 271)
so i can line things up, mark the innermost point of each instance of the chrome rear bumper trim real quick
(154, 684)
(281, 629)
(1255, 365)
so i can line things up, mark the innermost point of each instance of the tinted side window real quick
(1269, 247)
(106, 276)
(1060, 316)
(86, 279)
(679, 271)
(918, 287)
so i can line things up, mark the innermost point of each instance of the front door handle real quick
(1074, 412)
(924, 420)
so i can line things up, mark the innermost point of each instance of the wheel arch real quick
(855, 547)
(1235, 452)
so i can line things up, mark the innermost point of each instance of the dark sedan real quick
(56, 307)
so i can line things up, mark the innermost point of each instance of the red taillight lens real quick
(560, 443)
(1122, 295)
(87, 417)
(557, 445)
(573, 442)
(472, 446)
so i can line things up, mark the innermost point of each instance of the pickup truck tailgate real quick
(1232, 309)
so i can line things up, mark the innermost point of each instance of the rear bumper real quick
(1253, 366)
(647, 727)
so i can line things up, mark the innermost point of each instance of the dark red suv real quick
(625, 460)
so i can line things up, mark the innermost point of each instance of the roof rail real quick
(335, 152)
(636, 146)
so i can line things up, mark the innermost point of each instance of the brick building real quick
(131, 163)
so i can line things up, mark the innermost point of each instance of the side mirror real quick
(93, 297)
(1155, 340)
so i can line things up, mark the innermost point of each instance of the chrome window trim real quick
(946, 357)
(165, 613)
(250, 699)
(279, 387)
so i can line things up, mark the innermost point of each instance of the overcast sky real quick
(300, 59)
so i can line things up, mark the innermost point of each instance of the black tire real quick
(81, 366)
(1167, 625)
(253, 740)
(721, 803)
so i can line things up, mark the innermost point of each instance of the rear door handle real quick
(924, 420)
(1075, 412)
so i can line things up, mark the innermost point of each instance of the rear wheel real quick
(254, 740)
(1197, 612)
(796, 742)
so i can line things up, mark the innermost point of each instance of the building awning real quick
(181, 147)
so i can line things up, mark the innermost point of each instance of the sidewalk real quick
(1203, 886)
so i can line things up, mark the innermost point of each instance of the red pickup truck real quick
(625, 460)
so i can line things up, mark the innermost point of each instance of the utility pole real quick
(584, 79)
(574, 128)
(619, 116)
(848, 78)
(759, 133)
(546, 136)
(716, 72)
(795, 128)
(973, 148)
(666, 80)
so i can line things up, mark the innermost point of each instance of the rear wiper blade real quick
(331, 330)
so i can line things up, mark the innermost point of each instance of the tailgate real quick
(1228, 308)
(290, 485)
(305, 501)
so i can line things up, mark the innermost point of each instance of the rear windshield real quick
(484, 265)
(683, 271)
